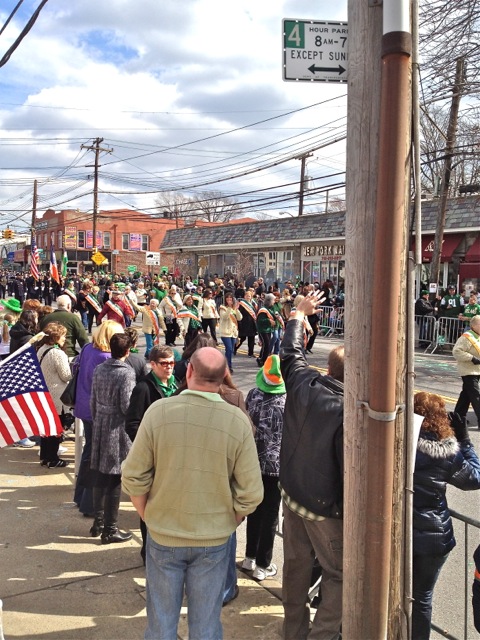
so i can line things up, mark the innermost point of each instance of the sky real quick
(188, 97)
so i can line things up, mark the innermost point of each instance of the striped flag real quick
(26, 406)
(53, 265)
(34, 259)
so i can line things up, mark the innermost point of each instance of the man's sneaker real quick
(25, 443)
(249, 564)
(260, 573)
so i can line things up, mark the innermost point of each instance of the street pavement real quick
(58, 583)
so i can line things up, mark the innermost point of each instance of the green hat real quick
(269, 378)
(424, 292)
(12, 304)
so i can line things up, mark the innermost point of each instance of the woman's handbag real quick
(69, 393)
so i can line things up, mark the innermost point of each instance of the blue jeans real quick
(201, 572)
(231, 577)
(275, 342)
(426, 570)
(149, 343)
(229, 346)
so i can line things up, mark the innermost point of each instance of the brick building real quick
(124, 237)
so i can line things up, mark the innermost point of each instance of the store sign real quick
(70, 238)
(324, 251)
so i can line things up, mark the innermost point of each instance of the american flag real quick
(34, 259)
(26, 406)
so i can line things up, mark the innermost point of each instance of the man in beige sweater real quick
(467, 354)
(193, 476)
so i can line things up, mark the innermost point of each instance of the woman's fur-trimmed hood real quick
(438, 449)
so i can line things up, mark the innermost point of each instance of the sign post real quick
(315, 51)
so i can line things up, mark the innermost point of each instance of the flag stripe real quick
(14, 415)
(8, 431)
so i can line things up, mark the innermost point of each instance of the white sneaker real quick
(25, 443)
(249, 564)
(62, 449)
(260, 573)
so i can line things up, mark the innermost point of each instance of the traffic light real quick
(8, 234)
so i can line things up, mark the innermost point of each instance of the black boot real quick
(112, 533)
(97, 527)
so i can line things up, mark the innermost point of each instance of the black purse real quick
(70, 392)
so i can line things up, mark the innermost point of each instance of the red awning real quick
(449, 244)
(473, 254)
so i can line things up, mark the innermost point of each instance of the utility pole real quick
(97, 149)
(447, 170)
(33, 270)
(376, 237)
(303, 158)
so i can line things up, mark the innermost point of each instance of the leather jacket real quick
(311, 456)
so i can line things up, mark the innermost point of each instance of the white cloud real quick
(152, 76)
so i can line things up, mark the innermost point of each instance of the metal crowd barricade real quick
(331, 321)
(468, 579)
(436, 333)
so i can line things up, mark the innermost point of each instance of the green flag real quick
(64, 263)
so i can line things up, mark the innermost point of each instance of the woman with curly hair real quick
(56, 370)
(445, 455)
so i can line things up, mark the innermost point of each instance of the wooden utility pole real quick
(97, 149)
(376, 228)
(303, 159)
(447, 170)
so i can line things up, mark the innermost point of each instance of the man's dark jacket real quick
(145, 393)
(311, 456)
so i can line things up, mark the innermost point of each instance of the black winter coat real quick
(19, 335)
(438, 463)
(311, 456)
(145, 393)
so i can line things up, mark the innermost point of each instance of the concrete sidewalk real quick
(58, 583)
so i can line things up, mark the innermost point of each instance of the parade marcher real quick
(247, 326)
(112, 386)
(81, 305)
(209, 313)
(71, 292)
(265, 405)
(230, 316)
(311, 480)
(445, 455)
(153, 324)
(19, 289)
(194, 456)
(266, 322)
(467, 354)
(94, 307)
(189, 315)
(157, 384)
(141, 293)
(279, 325)
(75, 330)
(169, 308)
(56, 371)
(116, 309)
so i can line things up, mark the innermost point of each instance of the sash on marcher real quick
(118, 310)
(172, 306)
(71, 294)
(248, 308)
(92, 301)
(152, 314)
(472, 337)
(265, 310)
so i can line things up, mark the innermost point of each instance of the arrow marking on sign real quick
(338, 69)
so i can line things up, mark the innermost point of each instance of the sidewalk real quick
(58, 583)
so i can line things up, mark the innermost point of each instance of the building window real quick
(59, 240)
(125, 241)
(45, 241)
(145, 243)
(81, 239)
(106, 240)
(285, 266)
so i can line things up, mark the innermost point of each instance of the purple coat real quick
(90, 358)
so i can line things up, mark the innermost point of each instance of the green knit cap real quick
(269, 378)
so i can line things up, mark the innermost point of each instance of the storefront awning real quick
(473, 254)
(449, 244)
